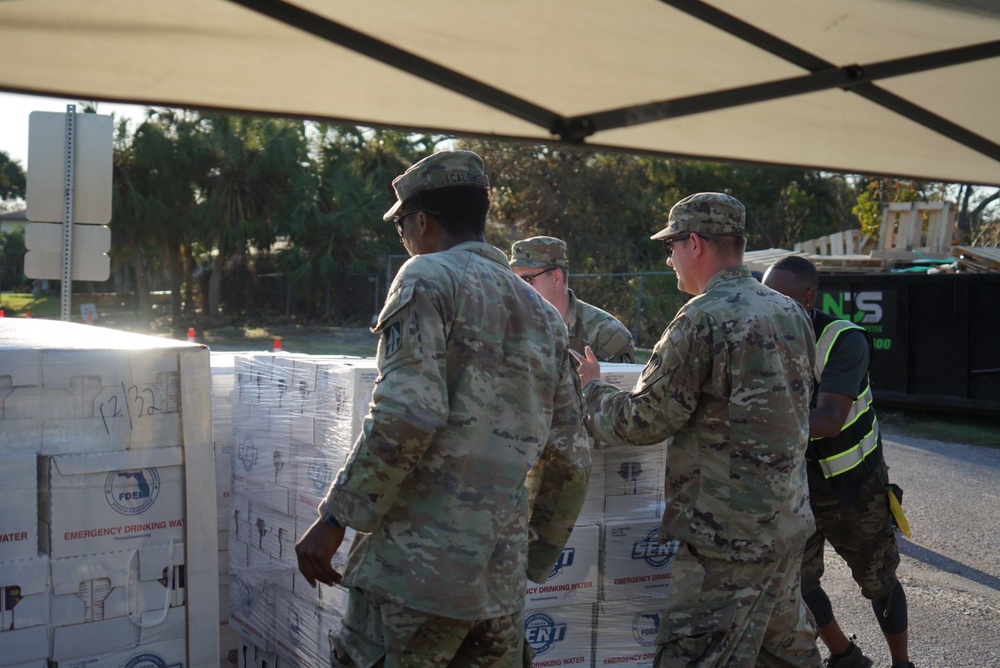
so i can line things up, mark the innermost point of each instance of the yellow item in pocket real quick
(897, 512)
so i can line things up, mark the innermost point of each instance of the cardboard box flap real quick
(31, 575)
(97, 462)
(145, 564)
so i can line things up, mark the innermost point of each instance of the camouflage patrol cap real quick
(709, 213)
(539, 252)
(439, 170)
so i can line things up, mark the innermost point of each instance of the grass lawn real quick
(21, 303)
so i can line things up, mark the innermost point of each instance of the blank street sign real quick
(90, 248)
(92, 167)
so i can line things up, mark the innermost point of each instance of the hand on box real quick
(315, 550)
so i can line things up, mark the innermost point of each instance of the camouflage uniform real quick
(604, 333)
(587, 325)
(730, 380)
(476, 387)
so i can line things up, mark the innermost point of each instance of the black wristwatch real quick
(330, 520)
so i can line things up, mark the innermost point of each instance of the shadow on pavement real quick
(947, 564)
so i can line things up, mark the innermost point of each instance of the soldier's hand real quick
(315, 550)
(590, 367)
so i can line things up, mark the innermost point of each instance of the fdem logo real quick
(132, 492)
(542, 632)
(149, 660)
(649, 549)
(645, 626)
(565, 560)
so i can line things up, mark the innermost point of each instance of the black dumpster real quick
(936, 337)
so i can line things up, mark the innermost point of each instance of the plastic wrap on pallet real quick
(105, 456)
(560, 636)
(294, 422)
(625, 633)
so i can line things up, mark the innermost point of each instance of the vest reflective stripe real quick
(858, 438)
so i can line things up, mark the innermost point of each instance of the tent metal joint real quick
(574, 130)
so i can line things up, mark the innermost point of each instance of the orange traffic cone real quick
(277, 344)
(190, 334)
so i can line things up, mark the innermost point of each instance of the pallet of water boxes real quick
(294, 420)
(108, 533)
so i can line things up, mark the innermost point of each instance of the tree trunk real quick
(188, 278)
(215, 285)
(174, 265)
(143, 299)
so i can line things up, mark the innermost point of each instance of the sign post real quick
(70, 160)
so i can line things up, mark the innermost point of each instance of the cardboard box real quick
(633, 562)
(229, 647)
(296, 630)
(24, 595)
(24, 646)
(560, 636)
(626, 633)
(262, 464)
(633, 482)
(102, 502)
(140, 409)
(314, 470)
(575, 578)
(118, 637)
(622, 376)
(123, 584)
(18, 506)
(161, 654)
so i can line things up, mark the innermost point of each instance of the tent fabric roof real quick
(894, 87)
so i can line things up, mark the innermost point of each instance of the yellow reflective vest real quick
(849, 458)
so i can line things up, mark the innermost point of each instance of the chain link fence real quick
(645, 302)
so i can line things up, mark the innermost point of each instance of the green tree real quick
(337, 230)
(245, 178)
(12, 178)
(12, 251)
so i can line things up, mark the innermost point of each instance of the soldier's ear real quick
(809, 298)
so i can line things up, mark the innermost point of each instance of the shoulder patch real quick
(392, 323)
(392, 336)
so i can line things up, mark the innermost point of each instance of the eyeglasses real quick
(529, 279)
(668, 244)
(398, 220)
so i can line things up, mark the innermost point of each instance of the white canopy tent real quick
(906, 88)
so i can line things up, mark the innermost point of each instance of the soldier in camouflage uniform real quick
(541, 261)
(730, 380)
(847, 477)
(476, 387)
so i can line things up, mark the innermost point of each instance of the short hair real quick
(729, 244)
(802, 269)
(458, 209)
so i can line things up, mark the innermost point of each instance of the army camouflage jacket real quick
(476, 387)
(604, 333)
(730, 380)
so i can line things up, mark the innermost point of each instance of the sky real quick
(14, 111)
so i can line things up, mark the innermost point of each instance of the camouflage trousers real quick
(736, 615)
(379, 633)
(862, 533)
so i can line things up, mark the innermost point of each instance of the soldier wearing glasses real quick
(541, 262)
(730, 380)
(476, 387)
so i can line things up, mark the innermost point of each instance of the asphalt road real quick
(950, 566)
